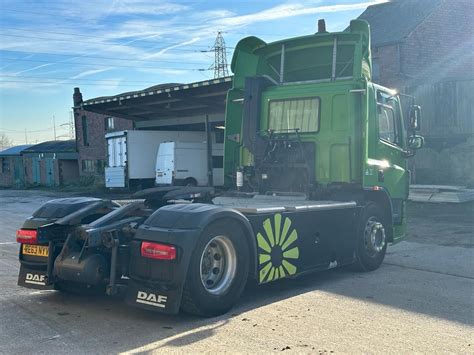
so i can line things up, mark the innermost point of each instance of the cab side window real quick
(387, 125)
(388, 121)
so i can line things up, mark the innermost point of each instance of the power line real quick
(91, 36)
(285, 35)
(82, 79)
(69, 83)
(150, 25)
(62, 15)
(70, 79)
(101, 43)
(94, 64)
(102, 57)
(34, 131)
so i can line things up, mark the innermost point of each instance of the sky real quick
(108, 47)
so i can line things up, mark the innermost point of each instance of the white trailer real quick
(186, 163)
(132, 155)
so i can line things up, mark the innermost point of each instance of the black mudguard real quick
(157, 284)
(52, 221)
(34, 277)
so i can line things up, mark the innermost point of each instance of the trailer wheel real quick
(217, 271)
(371, 238)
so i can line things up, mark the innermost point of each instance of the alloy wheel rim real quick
(374, 236)
(218, 265)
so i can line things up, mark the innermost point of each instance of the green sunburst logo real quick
(276, 250)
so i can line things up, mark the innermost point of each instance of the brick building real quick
(52, 163)
(90, 130)
(425, 48)
(12, 172)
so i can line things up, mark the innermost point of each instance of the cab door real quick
(390, 153)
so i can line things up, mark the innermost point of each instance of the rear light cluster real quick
(27, 236)
(158, 251)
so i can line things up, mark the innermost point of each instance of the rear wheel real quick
(371, 238)
(218, 270)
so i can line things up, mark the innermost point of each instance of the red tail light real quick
(158, 251)
(26, 236)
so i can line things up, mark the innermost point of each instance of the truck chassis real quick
(165, 256)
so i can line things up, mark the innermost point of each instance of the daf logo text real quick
(36, 279)
(151, 299)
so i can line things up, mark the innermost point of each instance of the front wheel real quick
(217, 271)
(371, 238)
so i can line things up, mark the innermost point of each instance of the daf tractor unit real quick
(315, 169)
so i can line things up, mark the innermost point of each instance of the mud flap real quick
(34, 278)
(154, 299)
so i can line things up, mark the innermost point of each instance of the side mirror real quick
(415, 117)
(415, 142)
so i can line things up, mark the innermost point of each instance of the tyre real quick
(190, 182)
(218, 270)
(371, 238)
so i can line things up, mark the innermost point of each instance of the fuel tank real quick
(90, 269)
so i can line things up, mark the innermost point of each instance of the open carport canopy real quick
(165, 101)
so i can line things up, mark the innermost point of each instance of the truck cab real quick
(304, 116)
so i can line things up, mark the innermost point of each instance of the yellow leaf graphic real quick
(293, 236)
(262, 243)
(267, 225)
(292, 253)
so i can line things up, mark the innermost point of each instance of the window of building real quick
(5, 165)
(88, 166)
(85, 131)
(100, 165)
(294, 114)
(109, 123)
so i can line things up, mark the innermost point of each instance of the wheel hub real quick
(374, 236)
(218, 265)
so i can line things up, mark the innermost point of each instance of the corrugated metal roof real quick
(155, 90)
(191, 101)
(16, 150)
(151, 88)
(393, 21)
(53, 147)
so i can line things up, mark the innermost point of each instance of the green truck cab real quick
(304, 116)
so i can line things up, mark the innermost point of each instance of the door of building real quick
(18, 172)
(49, 164)
(35, 167)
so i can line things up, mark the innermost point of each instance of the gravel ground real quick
(420, 300)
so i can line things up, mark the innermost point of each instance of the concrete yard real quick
(421, 299)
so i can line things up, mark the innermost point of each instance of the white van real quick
(185, 163)
(132, 155)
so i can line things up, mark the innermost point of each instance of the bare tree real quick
(5, 141)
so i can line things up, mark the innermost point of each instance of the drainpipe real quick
(210, 176)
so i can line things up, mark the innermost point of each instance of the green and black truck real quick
(315, 164)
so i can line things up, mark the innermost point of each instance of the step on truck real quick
(315, 164)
